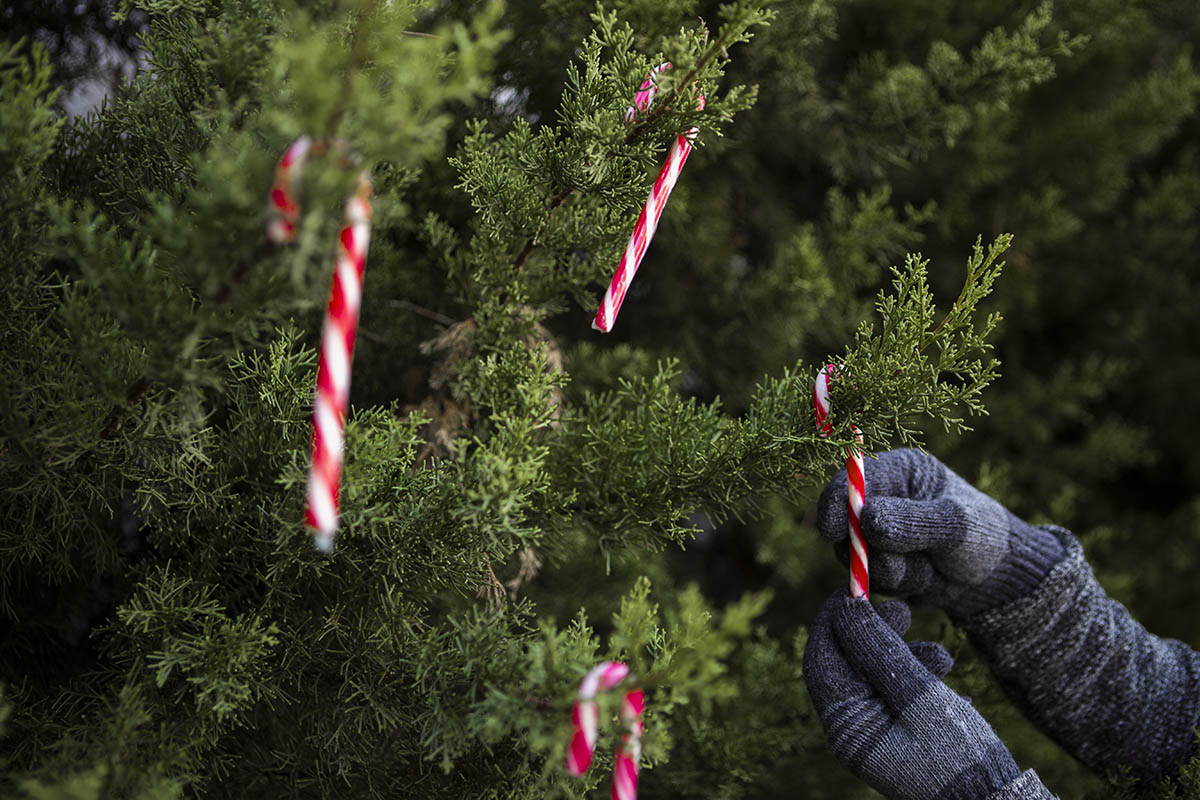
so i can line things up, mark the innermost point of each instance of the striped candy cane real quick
(647, 222)
(284, 203)
(583, 722)
(856, 483)
(629, 754)
(332, 398)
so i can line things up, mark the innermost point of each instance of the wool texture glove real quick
(892, 721)
(936, 539)
(1112, 694)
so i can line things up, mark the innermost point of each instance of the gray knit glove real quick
(892, 721)
(935, 538)
(1111, 693)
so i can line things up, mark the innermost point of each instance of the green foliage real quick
(643, 459)
(94, 784)
(959, 366)
(523, 498)
(29, 126)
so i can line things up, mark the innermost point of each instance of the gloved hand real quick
(935, 538)
(889, 717)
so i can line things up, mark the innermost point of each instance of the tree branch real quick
(523, 256)
(114, 417)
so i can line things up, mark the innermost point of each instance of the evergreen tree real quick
(523, 497)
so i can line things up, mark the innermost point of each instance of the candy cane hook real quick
(583, 724)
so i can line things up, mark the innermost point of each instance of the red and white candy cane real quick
(629, 753)
(856, 484)
(284, 202)
(583, 720)
(647, 222)
(332, 399)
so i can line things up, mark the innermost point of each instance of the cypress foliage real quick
(523, 497)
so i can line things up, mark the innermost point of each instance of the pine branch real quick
(523, 256)
(662, 106)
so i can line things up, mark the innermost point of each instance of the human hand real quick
(937, 539)
(887, 714)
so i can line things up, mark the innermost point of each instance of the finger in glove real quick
(907, 574)
(908, 474)
(827, 673)
(878, 654)
(933, 657)
(906, 526)
(896, 614)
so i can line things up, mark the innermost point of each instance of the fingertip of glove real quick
(847, 613)
(822, 623)
(821, 642)
(896, 614)
(933, 657)
(836, 603)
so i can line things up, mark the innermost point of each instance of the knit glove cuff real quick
(1066, 578)
(1033, 552)
(1090, 675)
(1026, 787)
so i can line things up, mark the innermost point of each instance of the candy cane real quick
(856, 484)
(284, 203)
(332, 398)
(647, 222)
(629, 754)
(583, 722)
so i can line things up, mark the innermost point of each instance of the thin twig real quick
(523, 256)
(493, 591)
(424, 312)
(134, 394)
(374, 337)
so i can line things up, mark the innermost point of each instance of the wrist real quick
(994, 770)
(1112, 694)
(1033, 553)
